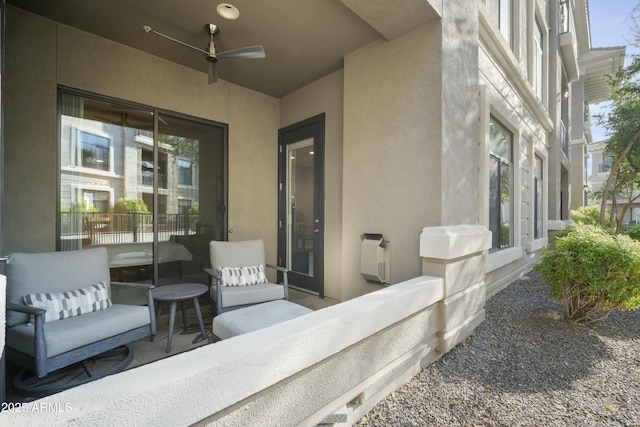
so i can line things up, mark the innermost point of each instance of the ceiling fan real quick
(211, 55)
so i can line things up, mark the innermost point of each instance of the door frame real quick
(312, 127)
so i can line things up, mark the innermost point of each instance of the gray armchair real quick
(235, 255)
(45, 340)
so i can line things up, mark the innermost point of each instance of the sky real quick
(610, 26)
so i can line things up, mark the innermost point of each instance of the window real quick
(538, 201)
(147, 169)
(605, 166)
(184, 206)
(185, 172)
(155, 191)
(95, 201)
(538, 60)
(94, 151)
(500, 185)
(501, 11)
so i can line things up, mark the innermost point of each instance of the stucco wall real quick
(407, 141)
(391, 159)
(29, 133)
(42, 54)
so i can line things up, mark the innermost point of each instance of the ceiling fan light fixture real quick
(228, 11)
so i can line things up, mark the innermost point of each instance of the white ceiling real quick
(303, 39)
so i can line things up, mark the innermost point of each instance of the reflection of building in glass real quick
(101, 163)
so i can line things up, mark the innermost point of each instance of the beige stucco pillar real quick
(456, 253)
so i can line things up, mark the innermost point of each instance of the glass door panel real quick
(300, 228)
(301, 204)
(191, 206)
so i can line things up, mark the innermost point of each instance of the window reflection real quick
(126, 189)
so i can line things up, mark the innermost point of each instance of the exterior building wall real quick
(392, 153)
(600, 166)
(508, 95)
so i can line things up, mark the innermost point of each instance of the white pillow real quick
(242, 276)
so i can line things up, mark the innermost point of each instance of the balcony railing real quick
(105, 228)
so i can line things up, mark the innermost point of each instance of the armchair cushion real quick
(61, 305)
(242, 276)
(244, 295)
(79, 331)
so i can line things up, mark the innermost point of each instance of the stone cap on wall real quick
(454, 241)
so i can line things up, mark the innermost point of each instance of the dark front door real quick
(301, 203)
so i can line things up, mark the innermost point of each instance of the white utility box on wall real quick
(374, 258)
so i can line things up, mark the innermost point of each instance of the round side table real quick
(179, 293)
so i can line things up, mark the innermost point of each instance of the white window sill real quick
(495, 260)
(537, 244)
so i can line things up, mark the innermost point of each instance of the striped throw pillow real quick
(61, 305)
(242, 276)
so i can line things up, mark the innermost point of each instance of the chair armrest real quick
(212, 273)
(276, 267)
(285, 278)
(40, 350)
(26, 309)
(133, 285)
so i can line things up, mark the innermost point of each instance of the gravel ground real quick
(527, 366)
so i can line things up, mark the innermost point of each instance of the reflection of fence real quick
(101, 228)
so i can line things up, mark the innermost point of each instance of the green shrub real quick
(633, 232)
(130, 205)
(588, 215)
(593, 272)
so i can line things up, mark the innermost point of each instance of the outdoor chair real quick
(238, 277)
(59, 313)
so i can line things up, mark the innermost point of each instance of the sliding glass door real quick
(150, 186)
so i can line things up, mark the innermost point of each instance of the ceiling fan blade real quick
(212, 72)
(243, 52)
(151, 30)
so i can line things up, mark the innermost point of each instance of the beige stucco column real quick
(456, 253)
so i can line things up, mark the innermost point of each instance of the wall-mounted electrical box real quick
(374, 258)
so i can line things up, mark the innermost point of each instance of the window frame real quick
(538, 196)
(502, 163)
(538, 55)
(503, 13)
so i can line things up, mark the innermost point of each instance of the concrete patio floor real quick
(146, 351)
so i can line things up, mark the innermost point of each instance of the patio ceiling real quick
(304, 40)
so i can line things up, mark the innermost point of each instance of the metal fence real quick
(102, 228)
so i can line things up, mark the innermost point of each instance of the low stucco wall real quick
(294, 373)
